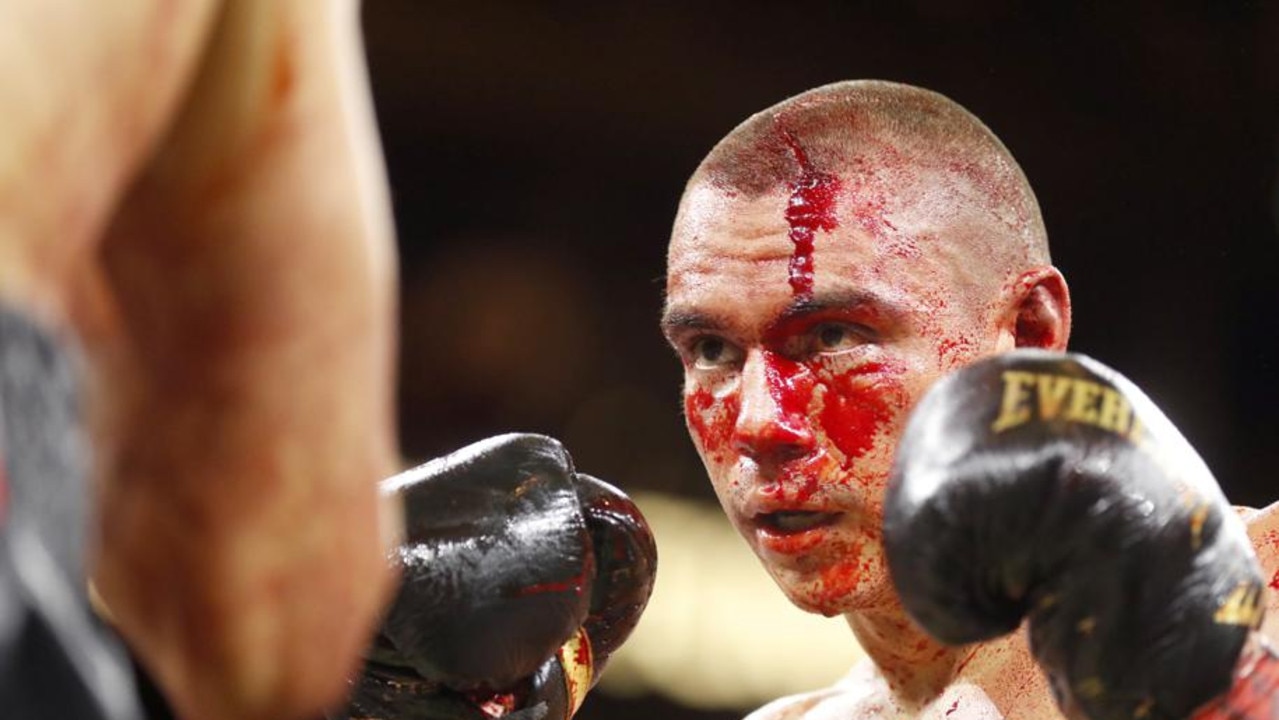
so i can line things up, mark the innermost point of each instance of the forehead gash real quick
(918, 215)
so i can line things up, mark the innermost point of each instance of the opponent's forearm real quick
(88, 89)
(255, 270)
(242, 555)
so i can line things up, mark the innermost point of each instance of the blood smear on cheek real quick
(712, 421)
(854, 415)
(840, 580)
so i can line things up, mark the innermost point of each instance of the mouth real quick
(791, 532)
(790, 522)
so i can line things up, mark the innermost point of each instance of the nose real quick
(772, 425)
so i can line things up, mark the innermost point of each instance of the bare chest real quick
(1000, 683)
(959, 702)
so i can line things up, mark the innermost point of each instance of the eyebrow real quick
(682, 319)
(832, 300)
(678, 319)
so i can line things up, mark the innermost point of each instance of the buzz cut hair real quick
(887, 132)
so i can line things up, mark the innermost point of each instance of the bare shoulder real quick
(825, 704)
(851, 696)
(87, 89)
(863, 694)
(791, 706)
(1263, 530)
(1263, 524)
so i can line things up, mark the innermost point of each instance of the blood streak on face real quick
(868, 200)
(712, 421)
(811, 208)
(791, 385)
(855, 412)
(842, 578)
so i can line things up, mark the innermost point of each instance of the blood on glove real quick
(1046, 487)
(520, 577)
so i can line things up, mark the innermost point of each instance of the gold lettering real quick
(1083, 407)
(1013, 411)
(1061, 397)
(1053, 390)
(1116, 413)
(1243, 606)
(1197, 519)
(1137, 433)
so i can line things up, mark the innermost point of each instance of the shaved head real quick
(898, 149)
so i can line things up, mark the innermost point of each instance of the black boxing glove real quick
(625, 567)
(1046, 486)
(519, 578)
(625, 562)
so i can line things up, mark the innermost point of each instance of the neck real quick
(916, 667)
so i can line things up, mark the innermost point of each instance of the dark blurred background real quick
(537, 152)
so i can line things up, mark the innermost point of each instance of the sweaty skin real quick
(802, 360)
(192, 192)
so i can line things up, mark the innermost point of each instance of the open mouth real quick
(794, 521)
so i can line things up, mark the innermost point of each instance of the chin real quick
(839, 590)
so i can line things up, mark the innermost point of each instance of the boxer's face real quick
(795, 394)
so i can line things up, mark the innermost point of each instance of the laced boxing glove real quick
(1045, 486)
(520, 577)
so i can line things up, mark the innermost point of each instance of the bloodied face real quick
(809, 319)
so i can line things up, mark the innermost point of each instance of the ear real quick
(1036, 311)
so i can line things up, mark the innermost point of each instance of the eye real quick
(832, 338)
(710, 352)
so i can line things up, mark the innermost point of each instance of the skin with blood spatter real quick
(795, 394)
(801, 361)
(799, 413)
(1263, 530)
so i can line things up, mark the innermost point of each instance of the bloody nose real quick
(773, 425)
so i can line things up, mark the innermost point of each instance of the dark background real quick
(537, 152)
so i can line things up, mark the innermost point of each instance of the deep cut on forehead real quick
(885, 133)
